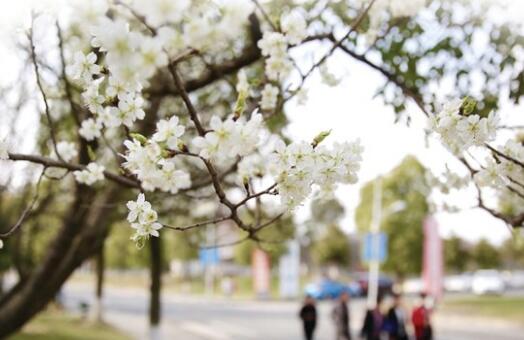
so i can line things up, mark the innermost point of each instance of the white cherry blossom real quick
(66, 150)
(269, 97)
(92, 174)
(273, 44)
(90, 129)
(137, 208)
(169, 131)
(84, 67)
(294, 26)
(491, 175)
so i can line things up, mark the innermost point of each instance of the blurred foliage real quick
(458, 43)
(512, 251)
(273, 241)
(405, 183)
(485, 255)
(332, 247)
(457, 255)
(326, 211)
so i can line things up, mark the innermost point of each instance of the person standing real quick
(420, 318)
(395, 323)
(341, 317)
(308, 314)
(373, 322)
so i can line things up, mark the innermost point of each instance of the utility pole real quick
(374, 264)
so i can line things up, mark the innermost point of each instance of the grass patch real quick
(58, 325)
(502, 307)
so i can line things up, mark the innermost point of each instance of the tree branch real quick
(52, 163)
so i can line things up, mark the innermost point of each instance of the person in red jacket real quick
(421, 320)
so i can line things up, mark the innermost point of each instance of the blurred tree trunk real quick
(155, 246)
(98, 308)
(80, 237)
(82, 234)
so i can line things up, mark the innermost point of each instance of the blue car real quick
(328, 289)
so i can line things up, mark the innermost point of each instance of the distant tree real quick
(457, 256)
(120, 253)
(485, 255)
(332, 248)
(405, 183)
(326, 211)
(271, 240)
(512, 251)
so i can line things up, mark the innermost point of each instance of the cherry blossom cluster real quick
(460, 128)
(274, 46)
(381, 10)
(143, 219)
(448, 181)
(499, 172)
(298, 167)
(230, 138)
(145, 158)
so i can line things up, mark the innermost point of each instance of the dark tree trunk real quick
(80, 237)
(99, 269)
(155, 247)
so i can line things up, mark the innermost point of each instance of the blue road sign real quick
(208, 256)
(370, 251)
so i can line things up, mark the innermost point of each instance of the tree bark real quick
(79, 238)
(155, 247)
(98, 308)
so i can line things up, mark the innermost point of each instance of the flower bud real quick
(142, 139)
(320, 137)
(468, 106)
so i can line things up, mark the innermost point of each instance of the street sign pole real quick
(374, 264)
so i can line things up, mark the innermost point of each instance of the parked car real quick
(385, 284)
(329, 289)
(460, 283)
(488, 281)
(514, 279)
(413, 286)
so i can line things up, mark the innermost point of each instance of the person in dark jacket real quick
(395, 323)
(308, 314)
(373, 322)
(341, 317)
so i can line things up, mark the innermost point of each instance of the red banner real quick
(432, 271)
(261, 272)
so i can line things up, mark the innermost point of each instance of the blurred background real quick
(396, 218)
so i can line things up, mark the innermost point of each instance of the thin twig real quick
(501, 154)
(187, 101)
(27, 210)
(227, 244)
(67, 84)
(199, 224)
(258, 194)
(336, 44)
(41, 88)
(265, 15)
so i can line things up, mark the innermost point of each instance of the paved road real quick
(191, 318)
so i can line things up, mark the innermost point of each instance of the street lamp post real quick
(374, 264)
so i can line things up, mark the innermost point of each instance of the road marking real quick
(203, 330)
(235, 329)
